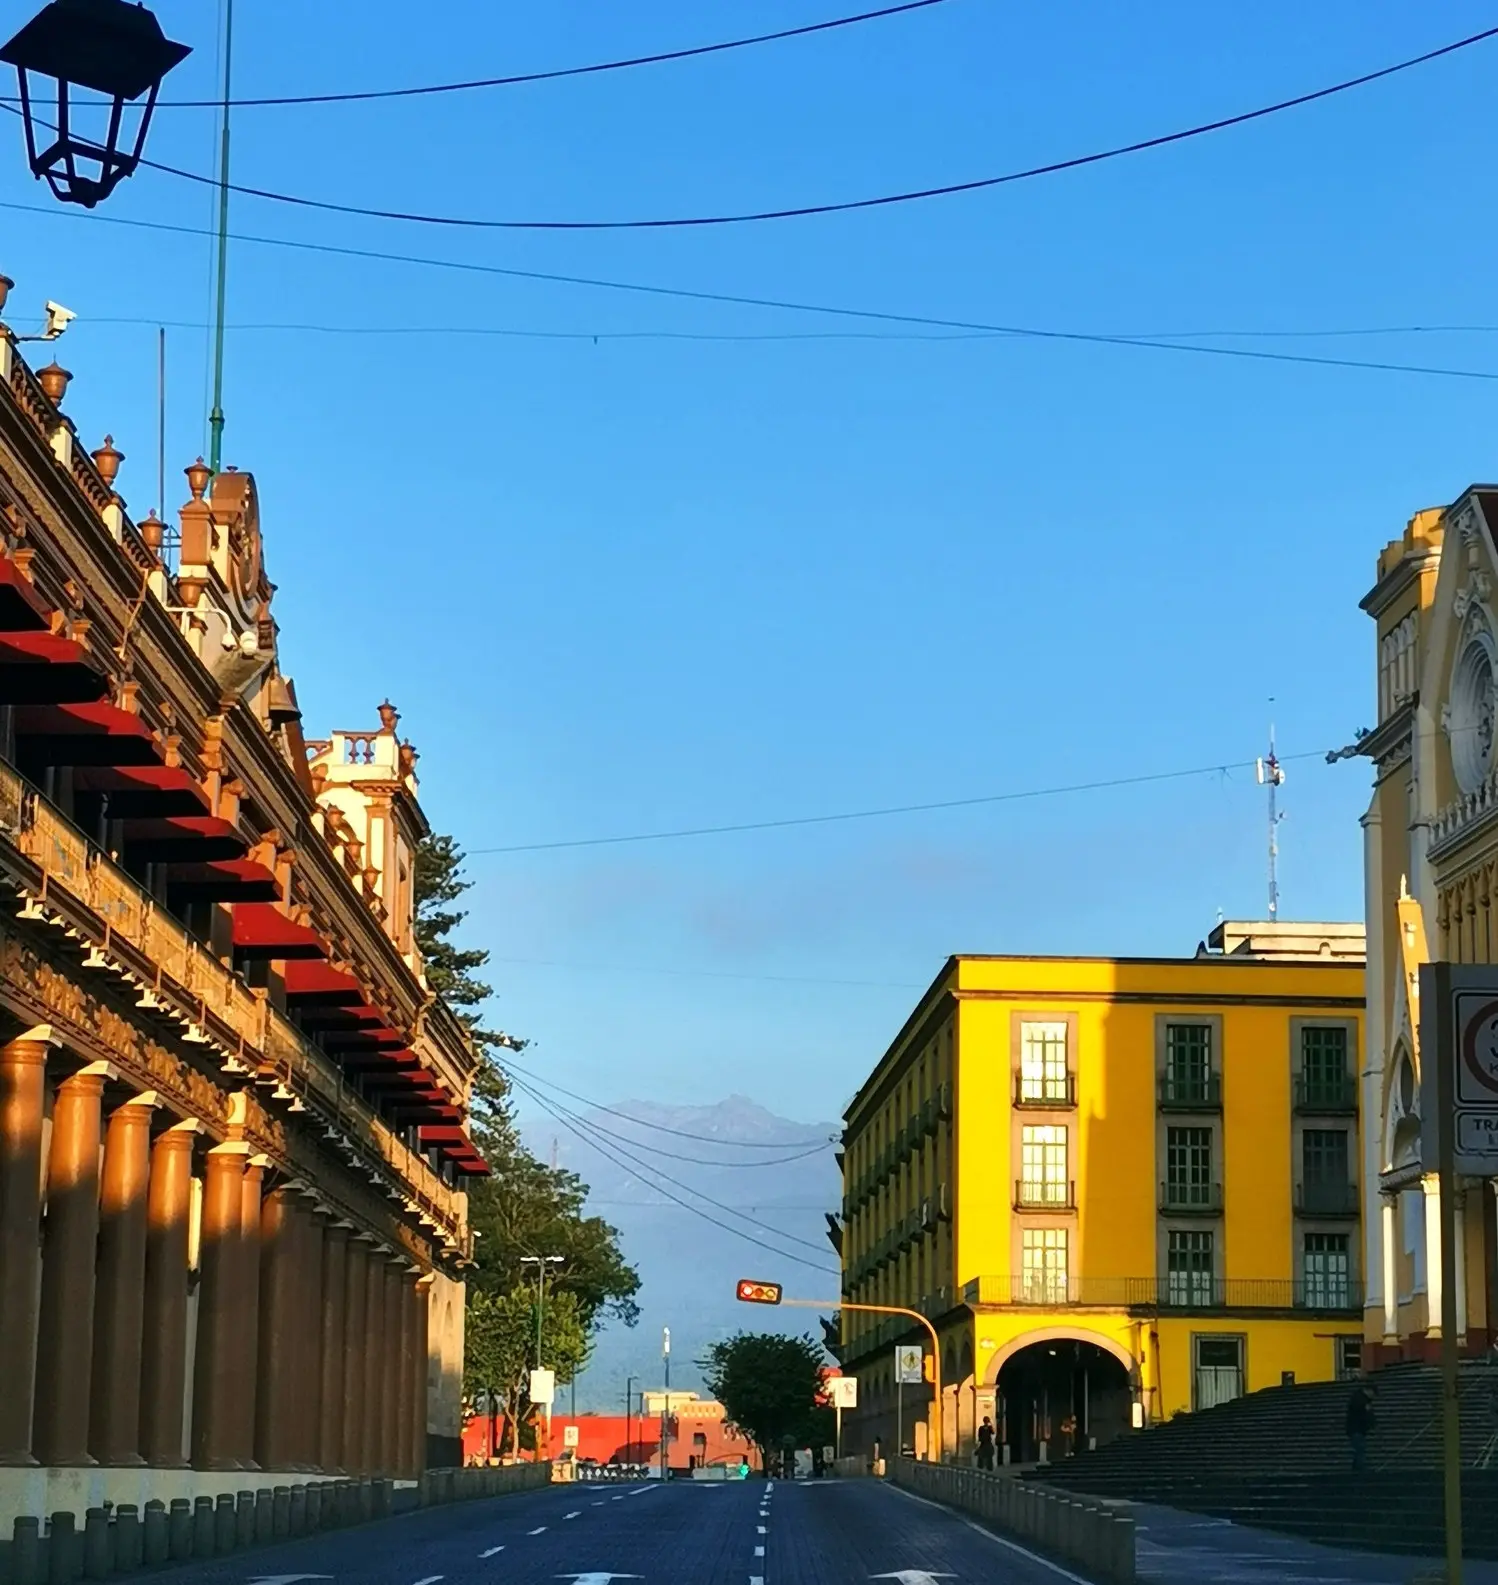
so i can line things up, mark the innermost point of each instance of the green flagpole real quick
(216, 416)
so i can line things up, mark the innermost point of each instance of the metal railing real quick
(1191, 1092)
(1327, 1197)
(1181, 1197)
(1038, 1194)
(1326, 1093)
(1186, 1291)
(1041, 1090)
(179, 973)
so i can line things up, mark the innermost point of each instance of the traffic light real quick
(750, 1292)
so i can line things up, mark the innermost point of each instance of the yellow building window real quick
(1043, 1166)
(1043, 1265)
(1188, 1064)
(1328, 1271)
(1190, 1277)
(1042, 1063)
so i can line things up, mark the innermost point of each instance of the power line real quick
(706, 1161)
(785, 305)
(510, 1066)
(711, 974)
(804, 211)
(686, 1205)
(888, 810)
(660, 58)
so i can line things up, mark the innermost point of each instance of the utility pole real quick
(666, 1406)
(216, 416)
(629, 1419)
(1271, 775)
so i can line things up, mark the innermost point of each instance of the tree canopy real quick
(770, 1387)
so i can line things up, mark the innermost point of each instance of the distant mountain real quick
(633, 1164)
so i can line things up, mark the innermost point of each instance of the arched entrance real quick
(1058, 1394)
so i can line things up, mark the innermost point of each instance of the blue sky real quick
(643, 583)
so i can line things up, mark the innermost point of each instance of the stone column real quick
(374, 1358)
(332, 1413)
(406, 1397)
(163, 1376)
(23, 1093)
(215, 1399)
(119, 1297)
(422, 1345)
(247, 1310)
(308, 1419)
(390, 1403)
(1432, 1187)
(356, 1336)
(275, 1397)
(1390, 1235)
(65, 1343)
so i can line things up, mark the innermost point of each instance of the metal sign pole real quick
(1446, 1057)
(899, 1415)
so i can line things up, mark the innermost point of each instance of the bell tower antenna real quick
(1271, 775)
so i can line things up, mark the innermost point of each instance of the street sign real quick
(570, 1435)
(842, 1392)
(1459, 1029)
(909, 1365)
(543, 1387)
(751, 1292)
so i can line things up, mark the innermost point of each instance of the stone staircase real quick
(1279, 1459)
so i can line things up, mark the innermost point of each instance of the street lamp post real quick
(541, 1262)
(666, 1406)
(629, 1419)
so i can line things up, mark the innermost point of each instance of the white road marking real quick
(759, 1551)
(492, 1550)
(576, 1513)
(431, 1579)
(756, 1579)
(620, 1497)
(539, 1530)
(998, 1540)
(760, 1529)
(599, 1503)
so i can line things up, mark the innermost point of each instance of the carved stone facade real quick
(233, 1116)
(1431, 864)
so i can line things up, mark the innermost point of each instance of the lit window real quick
(1043, 1167)
(1043, 1253)
(1042, 1062)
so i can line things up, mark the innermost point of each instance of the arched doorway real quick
(1060, 1394)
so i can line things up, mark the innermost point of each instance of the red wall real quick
(605, 1439)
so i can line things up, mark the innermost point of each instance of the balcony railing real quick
(1039, 1195)
(1056, 1091)
(1320, 1197)
(1326, 1094)
(1188, 1291)
(1190, 1092)
(1180, 1198)
(115, 917)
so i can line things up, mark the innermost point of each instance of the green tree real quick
(452, 971)
(769, 1386)
(499, 1350)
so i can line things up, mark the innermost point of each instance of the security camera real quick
(58, 320)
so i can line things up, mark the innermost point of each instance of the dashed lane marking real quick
(599, 1503)
(760, 1529)
(492, 1550)
(759, 1551)
(431, 1579)
(619, 1497)
(576, 1513)
(539, 1530)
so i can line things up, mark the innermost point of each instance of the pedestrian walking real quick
(1360, 1420)
(985, 1444)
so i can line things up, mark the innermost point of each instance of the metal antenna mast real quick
(1271, 775)
(216, 416)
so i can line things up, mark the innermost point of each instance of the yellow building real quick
(1431, 857)
(1119, 1188)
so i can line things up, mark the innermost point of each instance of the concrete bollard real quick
(264, 1517)
(179, 1530)
(26, 1552)
(244, 1519)
(155, 1543)
(314, 1508)
(96, 1539)
(225, 1524)
(127, 1538)
(298, 1510)
(280, 1512)
(62, 1537)
(424, 1490)
(203, 1527)
(1120, 1567)
(380, 1499)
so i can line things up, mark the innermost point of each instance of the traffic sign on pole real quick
(910, 1370)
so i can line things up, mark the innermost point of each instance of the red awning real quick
(183, 838)
(85, 734)
(224, 881)
(45, 668)
(21, 607)
(443, 1134)
(322, 983)
(261, 930)
(365, 1044)
(142, 792)
(472, 1166)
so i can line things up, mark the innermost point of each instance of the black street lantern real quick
(111, 47)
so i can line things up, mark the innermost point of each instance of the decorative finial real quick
(54, 380)
(5, 287)
(197, 478)
(152, 532)
(389, 715)
(107, 460)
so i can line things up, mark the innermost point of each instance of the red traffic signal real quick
(759, 1292)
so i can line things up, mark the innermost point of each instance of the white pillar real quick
(1390, 1232)
(1369, 1066)
(1433, 1274)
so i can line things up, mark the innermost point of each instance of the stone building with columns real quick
(1431, 868)
(233, 1114)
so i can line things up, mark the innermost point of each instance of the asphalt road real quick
(686, 1533)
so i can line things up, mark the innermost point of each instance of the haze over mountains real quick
(785, 1181)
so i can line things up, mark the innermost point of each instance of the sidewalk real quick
(1176, 1548)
